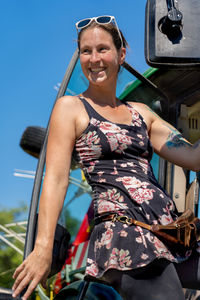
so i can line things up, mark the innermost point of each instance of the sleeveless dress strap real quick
(87, 106)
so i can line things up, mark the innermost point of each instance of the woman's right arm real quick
(62, 134)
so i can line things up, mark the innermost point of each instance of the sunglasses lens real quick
(104, 19)
(83, 23)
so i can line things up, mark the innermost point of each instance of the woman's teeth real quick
(97, 70)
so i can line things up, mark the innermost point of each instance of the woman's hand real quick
(34, 269)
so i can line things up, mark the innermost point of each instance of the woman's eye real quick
(103, 49)
(84, 51)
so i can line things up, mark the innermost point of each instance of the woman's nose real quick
(94, 56)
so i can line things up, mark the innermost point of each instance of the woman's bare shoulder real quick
(67, 105)
(69, 112)
(68, 101)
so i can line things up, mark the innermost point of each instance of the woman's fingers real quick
(18, 270)
(21, 284)
(18, 278)
(30, 288)
(34, 269)
(26, 279)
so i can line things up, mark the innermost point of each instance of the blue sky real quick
(38, 39)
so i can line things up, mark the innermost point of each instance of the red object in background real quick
(84, 231)
(78, 250)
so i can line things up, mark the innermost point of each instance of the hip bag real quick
(183, 233)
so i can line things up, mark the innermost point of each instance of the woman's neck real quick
(102, 96)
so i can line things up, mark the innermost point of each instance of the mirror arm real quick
(171, 24)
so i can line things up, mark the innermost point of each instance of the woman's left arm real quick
(169, 143)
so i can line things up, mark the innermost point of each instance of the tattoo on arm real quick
(176, 140)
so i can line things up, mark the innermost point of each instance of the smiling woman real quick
(113, 143)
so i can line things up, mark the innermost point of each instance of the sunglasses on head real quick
(99, 20)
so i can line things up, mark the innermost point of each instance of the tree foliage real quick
(71, 223)
(9, 258)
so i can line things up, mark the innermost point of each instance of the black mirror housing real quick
(172, 33)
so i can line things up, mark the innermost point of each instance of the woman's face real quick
(99, 57)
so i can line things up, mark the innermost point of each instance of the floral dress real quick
(116, 161)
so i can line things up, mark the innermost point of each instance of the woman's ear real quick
(122, 55)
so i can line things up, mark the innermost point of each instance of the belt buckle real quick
(122, 219)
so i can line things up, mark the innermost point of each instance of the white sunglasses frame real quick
(112, 18)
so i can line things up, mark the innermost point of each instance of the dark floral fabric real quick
(116, 161)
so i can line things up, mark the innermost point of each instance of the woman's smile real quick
(96, 70)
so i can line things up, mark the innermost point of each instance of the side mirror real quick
(172, 33)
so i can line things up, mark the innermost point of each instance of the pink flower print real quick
(140, 239)
(113, 142)
(169, 207)
(104, 206)
(92, 269)
(116, 136)
(140, 136)
(123, 141)
(165, 219)
(114, 195)
(125, 225)
(111, 201)
(137, 189)
(147, 216)
(107, 238)
(92, 138)
(124, 165)
(144, 256)
(161, 250)
(141, 265)
(115, 172)
(125, 180)
(123, 138)
(133, 182)
(144, 164)
(102, 180)
(88, 146)
(136, 118)
(131, 164)
(92, 165)
(100, 173)
(123, 233)
(108, 127)
(124, 258)
(142, 195)
(94, 122)
(119, 259)
(90, 168)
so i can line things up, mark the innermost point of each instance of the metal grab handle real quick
(173, 13)
(171, 24)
